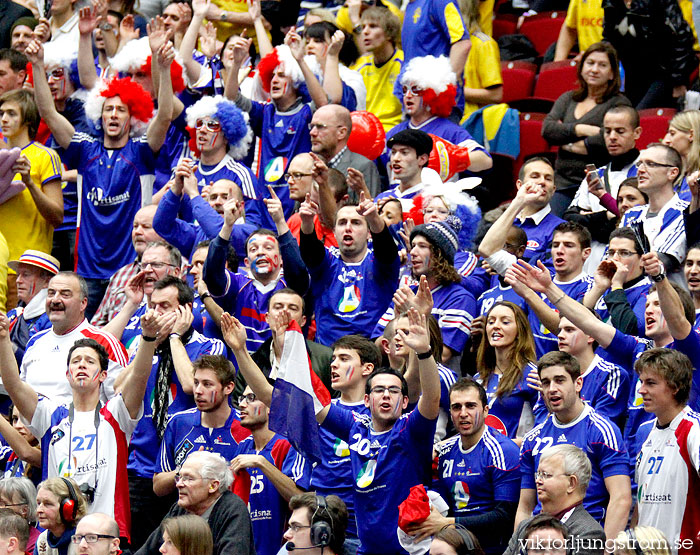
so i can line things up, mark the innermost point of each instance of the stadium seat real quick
(554, 79)
(654, 122)
(531, 141)
(518, 80)
(543, 29)
(504, 24)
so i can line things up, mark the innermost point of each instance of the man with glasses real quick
(203, 489)
(608, 498)
(620, 132)
(308, 509)
(661, 220)
(96, 534)
(619, 291)
(330, 130)
(269, 471)
(211, 426)
(562, 478)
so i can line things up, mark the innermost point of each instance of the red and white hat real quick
(37, 258)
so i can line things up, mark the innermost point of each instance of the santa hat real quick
(234, 122)
(136, 56)
(281, 55)
(435, 77)
(132, 94)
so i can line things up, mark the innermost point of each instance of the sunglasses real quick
(415, 91)
(212, 124)
(57, 73)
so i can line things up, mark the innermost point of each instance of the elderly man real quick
(34, 269)
(203, 489)
(46, 353)
(562, 479)
(330, 130)
(97, 534)
(142, 233)
(14, 532)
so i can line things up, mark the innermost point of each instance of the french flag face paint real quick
(349, 373)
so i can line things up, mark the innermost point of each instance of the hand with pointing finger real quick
(307, 212)
(274, 207)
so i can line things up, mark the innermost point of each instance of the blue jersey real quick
(443, 128)
(385, 467)
(255, 211)
(496, 294)
(453, 307)
(545, 340)
(540, 230)
(472, 481)
(112, 185)
(606, 387)
(185, 434)
(333, 474)
(474, 278)
(351, 297)
(515, 411)
(145, 443)
(173, 149)
(283, 135)
(268, 509)
(636, 295)
(22, 329)
(599, 438)
(431, 27)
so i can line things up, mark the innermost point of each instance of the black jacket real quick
(662, 44)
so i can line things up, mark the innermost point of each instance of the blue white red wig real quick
(234, 122)
(437, 80)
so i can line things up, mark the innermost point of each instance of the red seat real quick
(654, 123)
(531, 140)
(554, 79)
(543, 29)
(504, 24)
(518, 80)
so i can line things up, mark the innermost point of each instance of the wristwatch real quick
(357, 29)
(659, 277)
(223, 16)
(205, 296)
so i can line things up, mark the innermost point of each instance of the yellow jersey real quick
(586, 16)
(379, 82)
(20, 221)
(483, 67)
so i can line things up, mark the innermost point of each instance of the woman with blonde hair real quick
(642, 540)
(504, 360)
(60, 505)
(186, 535)
(684, 135)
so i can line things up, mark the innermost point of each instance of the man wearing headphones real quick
(317, 524)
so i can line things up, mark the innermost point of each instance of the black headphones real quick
(634, 542)
(321, 530)
(68, 509)
(465, 535)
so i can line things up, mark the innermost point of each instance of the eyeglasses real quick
(650, 164)
(57, 73)
(321, 126)
(210, 124)
(294, 527)
(5, 505)
(542, 476)
(91, 538)
(185, 479)
(248, 398)
(381, 390)
(153, 265)
(296, 176)
(620, 253)
(413, 89)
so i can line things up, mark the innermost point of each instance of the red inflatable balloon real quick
(367, 137)
(447, 158)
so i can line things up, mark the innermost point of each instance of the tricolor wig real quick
(281, 55)
(436, 78)
(234, 123)
(136, 56)
(132, 94)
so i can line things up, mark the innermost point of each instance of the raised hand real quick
(4, 326)
(307, 210)
(233, 332)
(418, 337)
(232, 211)
(319, 170)
(537, 279)
(87, 20)
(42, 32)
(254, 9)
(356, 181)
(157, 34)
(296, 44)
(134, 288)
(166, 55)
(241, 48)
(274, 206)
(200, 7)
(424, 297)
(652, 264)
(207, 40)
(367, 207)
(184, 320)
(403, 299)
(149, 323)
(127, 31)
(35, 53)
(337, 41)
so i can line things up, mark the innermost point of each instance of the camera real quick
(89, 492)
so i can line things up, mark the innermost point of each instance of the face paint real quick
(397, 408)
(256, 411)
(349, 373)
(212, 142)
(213, 397)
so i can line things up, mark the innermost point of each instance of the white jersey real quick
(46, 360)
(92, 455)
(667, 473)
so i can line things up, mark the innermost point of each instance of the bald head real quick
(104, 525)
(331, 126)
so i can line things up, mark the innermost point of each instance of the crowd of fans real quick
(255, 298)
